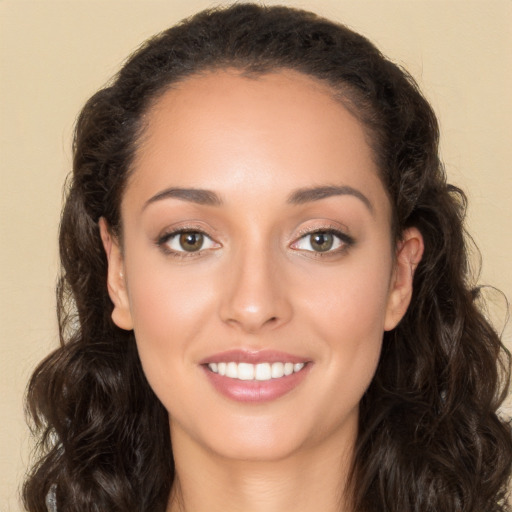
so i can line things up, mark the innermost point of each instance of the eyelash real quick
(345, 241)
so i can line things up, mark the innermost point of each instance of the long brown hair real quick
(429, 436)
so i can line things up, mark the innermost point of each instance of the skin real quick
(258, 284)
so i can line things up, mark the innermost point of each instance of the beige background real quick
(55, 54)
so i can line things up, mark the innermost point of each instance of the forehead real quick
(287, 100)
(282, 130)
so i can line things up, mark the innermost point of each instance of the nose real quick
(255, 294)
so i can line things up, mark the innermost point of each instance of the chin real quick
(259, 447)
(271, 438)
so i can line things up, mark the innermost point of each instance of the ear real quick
(408, 255)
(116, 284)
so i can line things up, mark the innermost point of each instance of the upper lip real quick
(253, 357)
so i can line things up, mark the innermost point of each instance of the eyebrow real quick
(306, 195)
(300, 196)
(193, 195)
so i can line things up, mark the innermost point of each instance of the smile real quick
(256, 372)
(255, 376)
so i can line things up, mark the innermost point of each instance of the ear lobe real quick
(408, 256)
(116, 284)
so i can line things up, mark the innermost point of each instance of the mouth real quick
(258, 376)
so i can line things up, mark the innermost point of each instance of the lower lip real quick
(254, 390)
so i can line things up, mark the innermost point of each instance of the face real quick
(257, 267)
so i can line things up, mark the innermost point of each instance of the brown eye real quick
(191, 241)
(186, 241)
(321, 241)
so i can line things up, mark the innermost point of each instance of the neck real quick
(305, 481)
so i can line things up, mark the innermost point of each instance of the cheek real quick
(170, 310)
(161, 303)
(352, 297)
(349, 313)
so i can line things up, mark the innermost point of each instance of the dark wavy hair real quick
(429, 437)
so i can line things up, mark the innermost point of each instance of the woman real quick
(264, 267)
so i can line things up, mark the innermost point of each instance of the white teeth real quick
(260, 371)
(232, 370)
(288, 368)
(245, 371)
(263, 371)
(277, 370)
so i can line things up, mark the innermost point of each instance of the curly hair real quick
(429, 435)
